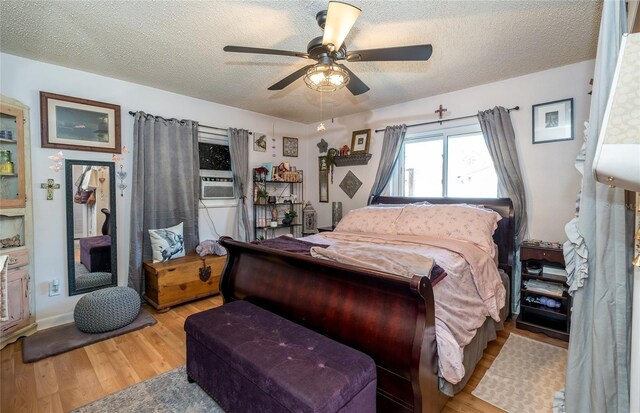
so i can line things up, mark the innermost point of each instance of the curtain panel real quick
(500, 138)
(239, 151)
(599, 345)
(164, 189)
(391, 146)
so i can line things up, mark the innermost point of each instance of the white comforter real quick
(471, 291)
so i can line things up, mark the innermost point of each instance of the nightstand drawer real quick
(532, 253)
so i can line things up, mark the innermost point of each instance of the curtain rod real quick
(199, 125)
(448, 119)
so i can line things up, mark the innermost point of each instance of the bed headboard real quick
(504, 235)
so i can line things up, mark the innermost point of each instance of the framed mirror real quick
(91, 225)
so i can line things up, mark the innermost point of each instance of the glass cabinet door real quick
(12, 193)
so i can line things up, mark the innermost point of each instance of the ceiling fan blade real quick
(290, 79)
(340, 19)
(355, 85)
(241, 49)
(402, 53)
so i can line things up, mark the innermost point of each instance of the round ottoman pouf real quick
(106, 309)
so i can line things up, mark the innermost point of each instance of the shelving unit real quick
(352, 160)
(16, 228)
(539, 318)
(263, 210)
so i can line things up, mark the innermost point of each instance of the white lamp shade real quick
(617, 158)
(340, 18)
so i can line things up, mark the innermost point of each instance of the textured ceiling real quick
(177, 46)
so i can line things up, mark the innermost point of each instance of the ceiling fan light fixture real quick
(340, 19)
(326, 77)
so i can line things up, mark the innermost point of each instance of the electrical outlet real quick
(54, 288)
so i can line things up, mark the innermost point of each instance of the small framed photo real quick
(289, 146)
(553, 121)
(259, 142)
(79, 124)
(360, 141)
(322, 163)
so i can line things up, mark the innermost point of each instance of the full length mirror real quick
(91, 225)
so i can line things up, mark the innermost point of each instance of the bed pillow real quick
(167, 243)
(399, 205)
(370, 219)
(460, 222)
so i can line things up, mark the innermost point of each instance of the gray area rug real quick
(167, 393)
(67, 337)
(524, 377)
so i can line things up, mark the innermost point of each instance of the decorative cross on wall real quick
(440, 111)
(50, 186)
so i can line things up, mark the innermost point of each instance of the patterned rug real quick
(524, 377)
(168, 393)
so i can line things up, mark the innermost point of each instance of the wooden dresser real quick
(182, 279)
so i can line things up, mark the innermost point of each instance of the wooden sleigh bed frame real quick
(390, 318)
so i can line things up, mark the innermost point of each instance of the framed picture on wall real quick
(553, 121)
(360, 141)
(79, 124)
(259, 142)
(289, 146)
(323, 179)
(324, 186)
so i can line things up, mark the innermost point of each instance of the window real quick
(452, 162)
(216, 176)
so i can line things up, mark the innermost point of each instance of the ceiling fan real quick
(329, 75)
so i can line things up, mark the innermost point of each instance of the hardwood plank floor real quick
(66, 381)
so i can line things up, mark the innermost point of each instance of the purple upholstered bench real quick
(95, 253)
(250, 360)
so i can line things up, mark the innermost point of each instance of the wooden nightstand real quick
(325, 229)
(537, 317)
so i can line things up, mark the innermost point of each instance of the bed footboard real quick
(388, 317)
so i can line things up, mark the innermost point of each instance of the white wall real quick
(23, 79)
(551, 179)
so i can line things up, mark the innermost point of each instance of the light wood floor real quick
(69, 380)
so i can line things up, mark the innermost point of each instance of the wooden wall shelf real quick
(352, 160)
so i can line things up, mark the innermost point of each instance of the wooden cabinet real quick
(545, 305)
(269, 217)
(16, 228)
(18, 290)
(182, 279)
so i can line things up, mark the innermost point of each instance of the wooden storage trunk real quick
(182, 279)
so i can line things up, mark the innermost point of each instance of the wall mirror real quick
(91, 225)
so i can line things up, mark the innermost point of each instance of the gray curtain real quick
(391, 146)
(599, 346)
(164, 186)
(501, 142)
(239, 150)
